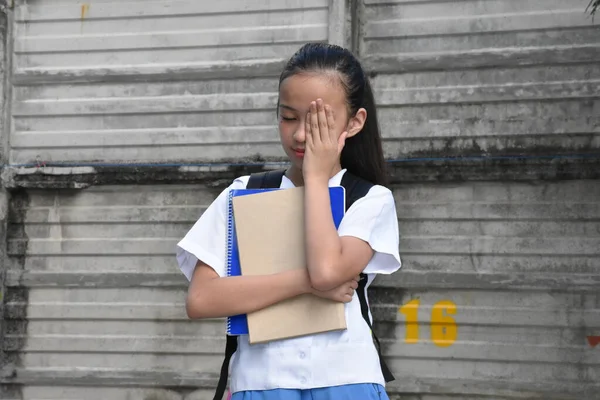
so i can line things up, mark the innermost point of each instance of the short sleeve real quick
(373, 219)
(206, 240)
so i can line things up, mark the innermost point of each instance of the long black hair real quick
(362, 154)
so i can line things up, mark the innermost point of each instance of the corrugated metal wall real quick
(105, 303)
(511, 272)
(457, 78)
(187, 81)
(501, 280)
(153, 81)
(520, 262)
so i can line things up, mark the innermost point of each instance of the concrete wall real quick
(153, 81)
(462, 78)
(513, 265)
(117, 141)
(192, 82)
(4, 118)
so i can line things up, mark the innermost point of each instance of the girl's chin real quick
(295, 159)
(297, 164)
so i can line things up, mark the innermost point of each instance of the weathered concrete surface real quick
(494, 78)
(520, 261)
(171, 85)
(495, 103)
(6, 360)
(6, 295)
(450, 169)
(455, 79)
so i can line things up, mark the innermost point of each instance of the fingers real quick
(347, 298)
(352, 288)
(314, 122)
(341, 140)
(330, 119)
(323, 122)
(307, 130)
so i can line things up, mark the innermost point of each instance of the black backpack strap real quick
(230, 348)
(261, 180)
(266, 180)
(361, 291)
(357, 188)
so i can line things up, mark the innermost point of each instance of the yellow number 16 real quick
(443, 328)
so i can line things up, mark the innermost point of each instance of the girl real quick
(327, 126)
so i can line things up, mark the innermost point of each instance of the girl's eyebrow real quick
(287, 107)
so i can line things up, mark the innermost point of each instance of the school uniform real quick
(334, 365)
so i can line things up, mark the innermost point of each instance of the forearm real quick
(323, 244)
(222, 297)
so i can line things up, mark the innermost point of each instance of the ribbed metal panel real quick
(504, 279)
(153, 81)
(483, 77)
(98, 300)
(95, 297)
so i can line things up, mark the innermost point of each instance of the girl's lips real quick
(299, 153)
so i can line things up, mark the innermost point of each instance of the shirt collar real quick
(335, 180)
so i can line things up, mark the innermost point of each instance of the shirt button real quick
(302, 355)
(303, 380)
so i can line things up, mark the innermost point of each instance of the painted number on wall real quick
(443, 327)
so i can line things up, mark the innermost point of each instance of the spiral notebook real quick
(237, 324)
(256, 226)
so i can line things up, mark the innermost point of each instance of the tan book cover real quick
(270, 237)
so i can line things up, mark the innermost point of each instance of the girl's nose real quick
(300, 134)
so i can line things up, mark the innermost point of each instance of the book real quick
(267, 236)
(237, 324)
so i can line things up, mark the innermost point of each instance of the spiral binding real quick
(229, 243)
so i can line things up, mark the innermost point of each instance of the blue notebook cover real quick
(238, 324)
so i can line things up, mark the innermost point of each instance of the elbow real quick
(195, 308)
(324, 280)
(192, 311)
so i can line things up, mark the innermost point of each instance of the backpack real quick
(355, 188)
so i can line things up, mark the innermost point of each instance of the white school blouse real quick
(321, 360)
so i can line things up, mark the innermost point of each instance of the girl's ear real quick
(357, 122)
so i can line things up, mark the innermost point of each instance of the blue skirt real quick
(363, 391)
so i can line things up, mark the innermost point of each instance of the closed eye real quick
(287, 119)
